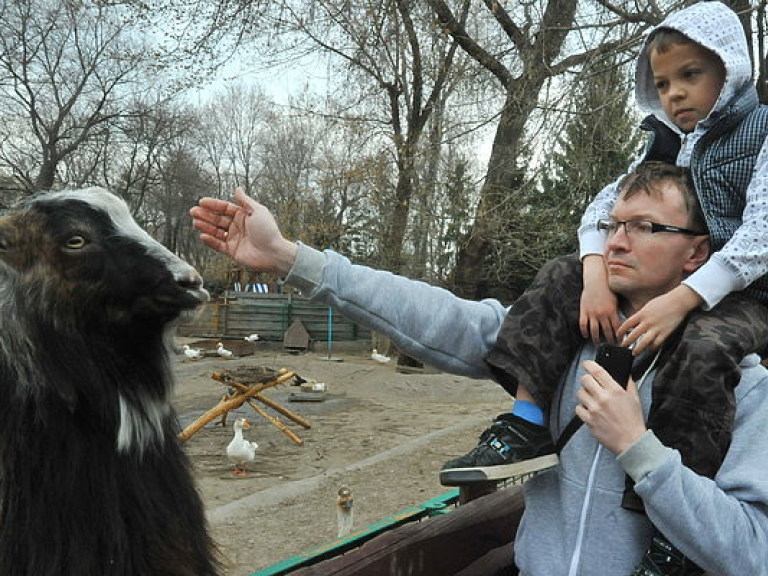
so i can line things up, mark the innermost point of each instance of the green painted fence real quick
(435, 506)
(238, 314)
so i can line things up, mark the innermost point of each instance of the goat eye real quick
(75, 242)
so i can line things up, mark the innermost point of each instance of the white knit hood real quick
(714, 26)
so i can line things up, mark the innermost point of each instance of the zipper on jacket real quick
(576, 556)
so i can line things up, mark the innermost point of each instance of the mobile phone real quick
(617, 360)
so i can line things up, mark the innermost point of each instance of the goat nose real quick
(192, 281)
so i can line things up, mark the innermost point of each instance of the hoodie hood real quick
(714, 26)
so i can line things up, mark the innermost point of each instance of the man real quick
(574, 522)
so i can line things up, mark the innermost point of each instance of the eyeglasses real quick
(642, 228)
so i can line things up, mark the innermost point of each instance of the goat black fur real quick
(93, 481)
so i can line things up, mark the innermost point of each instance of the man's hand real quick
(246, 232)
(613, 415)
(649, 327)
(599, 310)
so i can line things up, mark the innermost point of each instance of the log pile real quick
(246, 385)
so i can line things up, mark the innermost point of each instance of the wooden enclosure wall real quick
(238, 314)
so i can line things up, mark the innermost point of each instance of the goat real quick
(93, 481)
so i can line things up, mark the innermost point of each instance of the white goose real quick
(223, 352)
(241, 450)
(251, 338)
(380, 358)
(192, 353)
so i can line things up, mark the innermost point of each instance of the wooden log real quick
(301, 421)
(275, 406)
(276, 423)
(231, 404)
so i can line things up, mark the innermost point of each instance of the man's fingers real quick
(205, 227)
(217, 206)
(213, 242)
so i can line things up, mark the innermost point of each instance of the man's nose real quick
(619, 239)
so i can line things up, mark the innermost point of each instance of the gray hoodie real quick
(573, 523)
(744, 258)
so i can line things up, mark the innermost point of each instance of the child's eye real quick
(660, 84)
(692, 73)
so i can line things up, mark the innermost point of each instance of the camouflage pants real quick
(693, 391)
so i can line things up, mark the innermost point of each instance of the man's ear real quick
(700, 251)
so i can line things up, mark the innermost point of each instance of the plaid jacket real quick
(722, 167)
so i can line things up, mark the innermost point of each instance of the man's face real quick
(688, 79)
(643, 266)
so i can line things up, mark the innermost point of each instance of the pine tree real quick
(540, 218)
(596, 147)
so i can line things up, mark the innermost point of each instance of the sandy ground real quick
(382, 433)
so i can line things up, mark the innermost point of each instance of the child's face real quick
(689, 79)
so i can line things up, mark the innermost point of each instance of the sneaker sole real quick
(459, 476)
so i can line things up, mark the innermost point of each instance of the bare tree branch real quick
(468, 44)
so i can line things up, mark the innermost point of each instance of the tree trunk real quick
(504, 176)
(46, 177)
(392, 249)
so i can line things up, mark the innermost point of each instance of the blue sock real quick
(528, 411)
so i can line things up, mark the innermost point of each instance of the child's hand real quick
(599, 311)
(649, 327)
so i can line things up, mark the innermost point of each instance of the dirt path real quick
(382, 433)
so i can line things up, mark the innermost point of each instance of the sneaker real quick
(663, 559)
(511, 447)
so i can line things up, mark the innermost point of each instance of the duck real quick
(380, 358)
(313, 386)
(251, 338)
(344, 512)
(223, 352)
(192, 353)
(240, 450)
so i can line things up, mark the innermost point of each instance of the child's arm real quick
(599, 310)
(599, 306)
(650, 326)
(744, 257)
(742, 260)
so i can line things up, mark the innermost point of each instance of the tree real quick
(599, 140)
(65, 69)
(388, 54)
(453, 220)
(761, 18)
(233, 124)
(544, 44)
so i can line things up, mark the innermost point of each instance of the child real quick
(694, 78)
